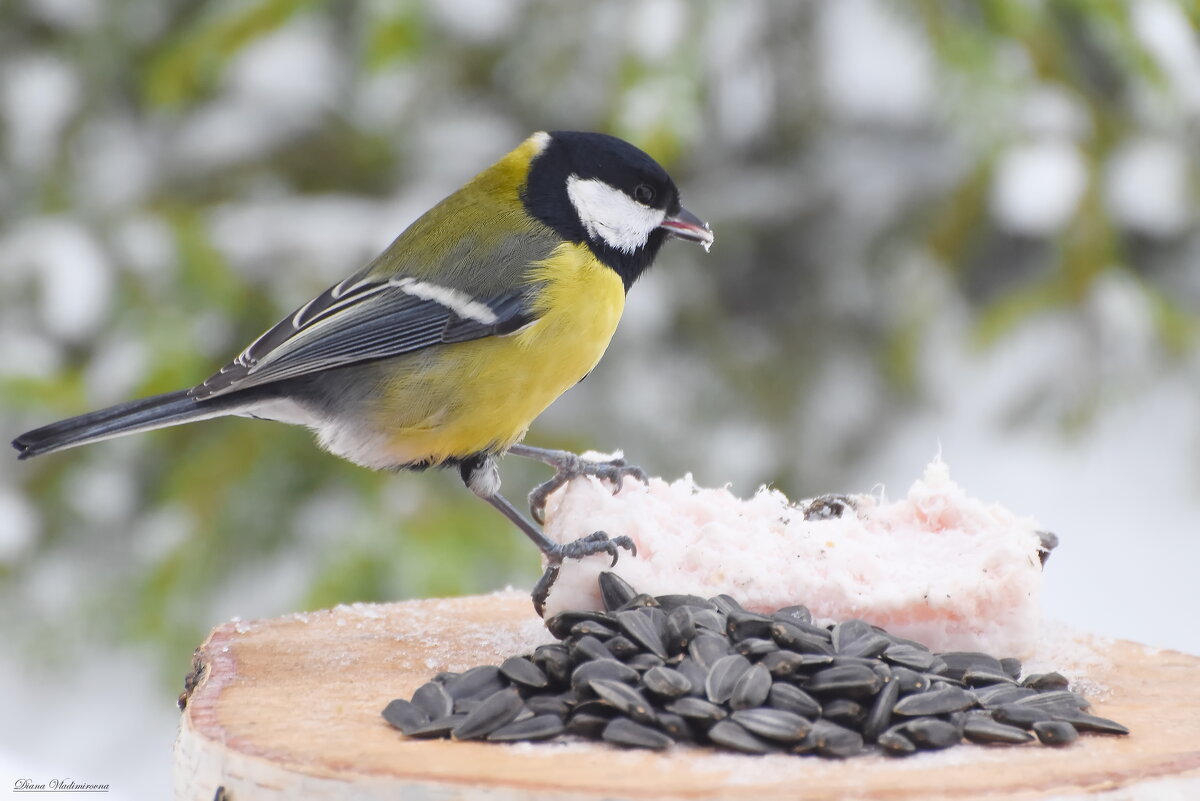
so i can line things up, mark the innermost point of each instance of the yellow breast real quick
(461, 399)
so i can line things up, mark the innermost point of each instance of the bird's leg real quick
(567, 466)
(482, 477)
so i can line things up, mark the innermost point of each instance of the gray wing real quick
(364, 319)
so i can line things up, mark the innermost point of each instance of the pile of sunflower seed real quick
(649, 672)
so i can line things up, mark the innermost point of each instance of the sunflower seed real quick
(1000, 694)
(774, 724)
(852, 681)
(675, 726)
(625, 698)
(623, 731)
(735, 737)
(588, 649)
(601, 669)
(755, 646)
(740, 625)
(694, 708)
(1055, 732)
(1022, 715)
(829, 739)
(538, 727)
(594, 628)
(669, 603)
(548, 705)
(726, 604)
(978, 677)
(934, 702)
(1012, 667)
(932, 733)
(622, 647)
(894, 743)
(959, 662)
(690, 669)
(879, 717)
(639, 601)
(478, 682)
(795, 638)
(499, 709)
(723, 677)
(782, 664)
(646, 628)
(666, 683)
(711, 620)
(791, 698)
(707, 649)
(405, 715)
(432, 699)
(848, 631)
(793, 614)
(910, 681)
(1056, 701)
(1045, 681)
(1093, 723)
(520, 670)
(555, 662)
(644, 661)
(560, 625)
(615, 591)
(983, 729)
(751, 689)
(909, 657)
(681, 628)
(436, 728)
(587, 725)
(845, 712)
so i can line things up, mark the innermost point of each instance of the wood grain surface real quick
(290, 708)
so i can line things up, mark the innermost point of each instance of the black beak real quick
(686, 225)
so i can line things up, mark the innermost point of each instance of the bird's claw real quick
(594, 543)
(612, 471)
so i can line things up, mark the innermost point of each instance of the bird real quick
(442, 350)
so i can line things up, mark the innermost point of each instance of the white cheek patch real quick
(610, 215)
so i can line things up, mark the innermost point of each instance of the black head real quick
(596, 189)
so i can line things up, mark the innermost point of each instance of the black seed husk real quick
(405, 715)
(666, 683)
(934, 702)
(774, 724)
(520, 670)
(622, 647)
(879, 717)
(645, 628)
(432, 699)
(738, 738)
(983, 729)
(538, 727)
(478, 682)
(751, 689)
(1055, 732)
(932, 733)
(791, 698)
(623, 731)
(626, 699)
(615, 591)
(723, 677)
(853, 681)
(894, 743)
(499, 709)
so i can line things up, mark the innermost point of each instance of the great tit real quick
(444, 349)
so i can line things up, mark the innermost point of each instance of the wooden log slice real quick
(289, 708)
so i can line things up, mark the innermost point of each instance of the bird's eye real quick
(644, 193)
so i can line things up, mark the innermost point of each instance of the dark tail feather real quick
(158, 411)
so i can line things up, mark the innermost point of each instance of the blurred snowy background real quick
(961, 226)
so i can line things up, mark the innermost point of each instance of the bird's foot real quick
(594, 543)
(569, 466)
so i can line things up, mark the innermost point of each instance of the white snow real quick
(1037, 186)
(1147, 186)
(874, 65)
